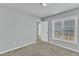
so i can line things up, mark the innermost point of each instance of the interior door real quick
(44, 31)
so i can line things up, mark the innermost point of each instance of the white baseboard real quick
(16, 48)
(64, 47)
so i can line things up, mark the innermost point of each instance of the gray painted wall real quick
(16, 28)
(70, 46)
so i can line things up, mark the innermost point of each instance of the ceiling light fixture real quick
(43, 4)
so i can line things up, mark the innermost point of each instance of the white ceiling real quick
(37, 10)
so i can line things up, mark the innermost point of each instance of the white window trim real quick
(75, 41)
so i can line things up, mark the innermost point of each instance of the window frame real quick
(53, 28)
(75, 41)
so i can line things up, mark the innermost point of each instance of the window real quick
(65, 29)
(57, 29)
(69, 29)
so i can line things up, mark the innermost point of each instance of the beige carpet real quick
(41, 49)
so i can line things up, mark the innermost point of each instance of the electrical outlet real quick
(18, 43)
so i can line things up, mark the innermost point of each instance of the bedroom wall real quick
(74, 12)
(16, 29)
